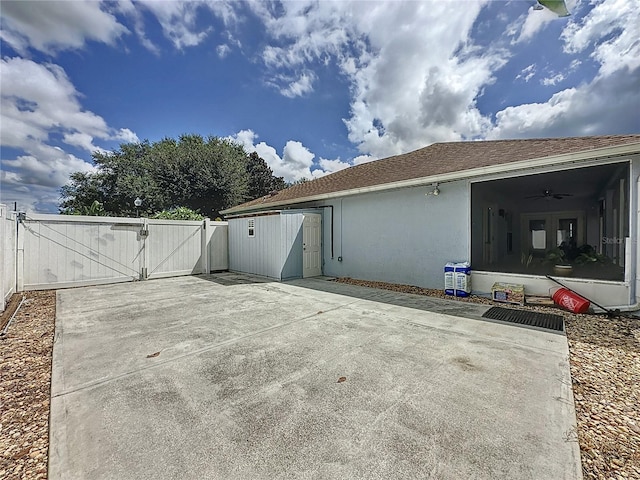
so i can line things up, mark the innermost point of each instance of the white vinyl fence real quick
(7, 255)
(57, 251)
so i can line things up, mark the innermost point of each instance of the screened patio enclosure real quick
(575, 219)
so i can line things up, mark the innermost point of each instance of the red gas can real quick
(570, 300)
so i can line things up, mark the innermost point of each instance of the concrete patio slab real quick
(233, 377)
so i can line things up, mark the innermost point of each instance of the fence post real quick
(144, 235)
(20, 253)
(206, 238)
(3, 254)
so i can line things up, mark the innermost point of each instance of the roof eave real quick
(615, 151)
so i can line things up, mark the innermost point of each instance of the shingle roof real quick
(436, 159)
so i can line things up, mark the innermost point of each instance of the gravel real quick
(604, 358)
(25, 387)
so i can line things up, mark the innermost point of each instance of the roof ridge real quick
(533, 139)
(443, 158)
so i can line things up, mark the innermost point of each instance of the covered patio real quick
(572, 222)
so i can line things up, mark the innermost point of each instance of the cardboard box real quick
(508, 293)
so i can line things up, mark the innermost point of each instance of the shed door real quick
(311, 245)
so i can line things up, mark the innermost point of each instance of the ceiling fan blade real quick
(535, 196)
(559, 7)
(558, 197)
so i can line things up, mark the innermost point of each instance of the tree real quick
(261, 179)
(180, 213)
(206, 175)
(300, 181)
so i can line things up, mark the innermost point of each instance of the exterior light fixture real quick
(435, 191)
(138, 203)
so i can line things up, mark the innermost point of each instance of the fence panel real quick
(7, 255)
(57, 251)
(64, 251)
(174, 248)
(218, 240)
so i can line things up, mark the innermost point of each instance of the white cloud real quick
(527, 73)
(125, 135)
(360, 159)
(299, 87)
(81, 140)
(296, 162)
(33, 180)
(48, 166)
(127, 8)
(612, 29)
(49, 26)
(223, 50)
(38, 101)
(606, 104)
(330, 166)
(552, 80)
(297, 156)
(411, 85)
(178, 21)
(534, 22)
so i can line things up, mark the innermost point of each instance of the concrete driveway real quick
(231, 377)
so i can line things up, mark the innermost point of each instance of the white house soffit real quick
(567, 158)
(246, 214)
(555, 167)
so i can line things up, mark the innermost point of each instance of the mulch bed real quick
(604, 358)
(25, 387)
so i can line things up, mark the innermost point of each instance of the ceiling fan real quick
(550, 194)
(559, 7)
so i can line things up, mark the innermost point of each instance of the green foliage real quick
(589, 256)
(300, 181)
(556, 256)
(585, 255)
(526, 259)
(261, 179)
(179, 213)
(201, 174)
(94, 210)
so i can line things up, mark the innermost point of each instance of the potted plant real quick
(558, 257)
(589, 256)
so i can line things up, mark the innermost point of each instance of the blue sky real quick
(313, 87)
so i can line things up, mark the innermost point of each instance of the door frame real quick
(308, 246)
(551, 226)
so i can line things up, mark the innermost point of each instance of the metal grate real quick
(524, 317)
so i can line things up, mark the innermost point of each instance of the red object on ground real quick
(570, 300)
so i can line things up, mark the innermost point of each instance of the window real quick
(538, 232)
(252, 227)
(567, 232)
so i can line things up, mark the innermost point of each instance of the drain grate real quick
(523, 317)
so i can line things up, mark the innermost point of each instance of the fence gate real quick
(56, 251)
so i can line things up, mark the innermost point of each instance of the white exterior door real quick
(311, 245)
